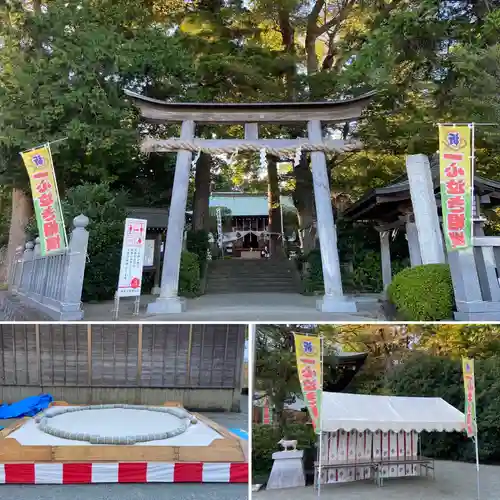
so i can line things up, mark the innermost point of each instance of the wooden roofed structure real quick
(390, 208)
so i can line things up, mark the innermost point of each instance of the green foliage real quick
(423, 293)
(189, 275)
(197, 243)
(424, 375)
(312, 272)
(265, 442)
(106, 210)
(5, 214)
(64, 70)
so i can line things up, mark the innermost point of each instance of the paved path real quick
(141, 491)
(244, 307)
(455, 480)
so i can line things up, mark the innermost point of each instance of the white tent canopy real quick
(388, 413)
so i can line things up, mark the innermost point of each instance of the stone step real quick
(251, 276)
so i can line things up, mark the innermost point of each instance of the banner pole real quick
(475, 207)
(320, 416)
(477, 467)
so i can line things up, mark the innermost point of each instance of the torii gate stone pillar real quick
(333, 300)
(169, 300)
(251, 115)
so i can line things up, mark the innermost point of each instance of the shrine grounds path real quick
(244, 307)
(140, 491)
(455, 480)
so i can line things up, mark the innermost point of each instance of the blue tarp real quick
(26, 407)
(240, 433)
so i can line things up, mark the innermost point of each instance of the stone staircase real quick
(252, 276)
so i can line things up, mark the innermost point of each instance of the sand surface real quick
(118, 422)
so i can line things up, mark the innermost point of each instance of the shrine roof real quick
(244, 204)
(155, 110)
(386, 203)
(157, 217)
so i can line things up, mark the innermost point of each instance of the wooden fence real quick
(122, 356)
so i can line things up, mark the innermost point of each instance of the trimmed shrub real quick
(265, 442)
(189, 275)
(423, 293)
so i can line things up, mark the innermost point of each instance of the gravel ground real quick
(141, 491)
(453, 480)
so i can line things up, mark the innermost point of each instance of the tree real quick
(63, 75)
(275, 365)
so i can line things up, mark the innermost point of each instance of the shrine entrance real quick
(317, 115)
(250, 241)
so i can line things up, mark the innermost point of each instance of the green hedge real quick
(423, 293)
(424, 375)
(265, 442)
(189, 275)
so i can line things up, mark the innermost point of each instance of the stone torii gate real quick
(189, 114)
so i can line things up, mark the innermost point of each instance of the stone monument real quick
(288, 467)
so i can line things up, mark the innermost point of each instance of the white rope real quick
(150, 145)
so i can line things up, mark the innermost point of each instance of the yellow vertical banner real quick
(455, 175)
(46, 202)
(470, 396)
(308, 351)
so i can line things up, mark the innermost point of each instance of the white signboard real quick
(149, 253)
(134, 242)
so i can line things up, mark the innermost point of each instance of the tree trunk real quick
(273, 197)
(202, 193)
(303, 198)
(22, 210)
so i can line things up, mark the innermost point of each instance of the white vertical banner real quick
(134, 244)
(220, 235)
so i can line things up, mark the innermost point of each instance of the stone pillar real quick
(28, 256)
(169, 300)
(425, 209)
(413, 244)
(71, 296)
(334, 299)
(157, 261)
(385, 257)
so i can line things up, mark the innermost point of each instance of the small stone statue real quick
(285, 444)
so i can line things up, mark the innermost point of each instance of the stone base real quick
(477, 316)
(477, 310)
(169, 305)
(287, 471)
(336, 304)
(156, 290)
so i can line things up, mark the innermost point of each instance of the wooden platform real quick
(229, 449)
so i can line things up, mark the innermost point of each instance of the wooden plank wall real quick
(154, 356)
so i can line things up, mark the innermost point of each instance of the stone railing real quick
(476, 280)
(53, 284)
